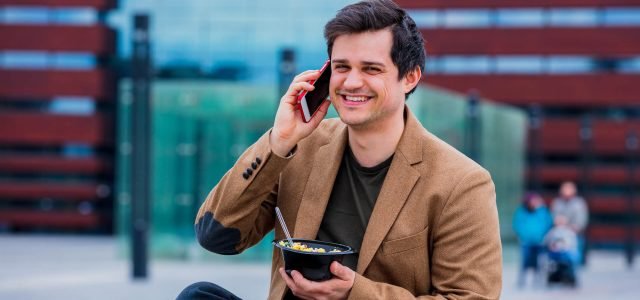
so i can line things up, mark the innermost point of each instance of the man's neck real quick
(373, 145)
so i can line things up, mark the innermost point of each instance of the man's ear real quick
(411, 79)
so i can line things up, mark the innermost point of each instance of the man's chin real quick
(355, 123)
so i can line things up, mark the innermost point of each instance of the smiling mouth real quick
(355, 99)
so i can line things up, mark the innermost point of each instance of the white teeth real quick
(356, 99)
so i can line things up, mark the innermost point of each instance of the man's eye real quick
(341, 68)
(372, 70)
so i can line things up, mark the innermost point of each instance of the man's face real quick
(364, 86)
(568, 190)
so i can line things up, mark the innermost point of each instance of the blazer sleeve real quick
(466, 260)
(239, 211)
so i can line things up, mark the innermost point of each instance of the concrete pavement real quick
(77, 267)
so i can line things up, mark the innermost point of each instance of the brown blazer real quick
(433, 233)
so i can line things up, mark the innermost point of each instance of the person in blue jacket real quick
(531, 223)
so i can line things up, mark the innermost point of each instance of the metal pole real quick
(141, 78)
(586, 138)
(200, 161)
(186, 156)
(535, 148)
(286, 70)
(472, 130)
(632, 148)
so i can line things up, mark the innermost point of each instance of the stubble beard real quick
(372, 120)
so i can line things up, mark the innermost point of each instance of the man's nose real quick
(353, 80)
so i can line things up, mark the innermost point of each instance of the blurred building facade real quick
(575, 65)
(573, 62)
(57, 99)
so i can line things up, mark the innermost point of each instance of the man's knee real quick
(205, 290)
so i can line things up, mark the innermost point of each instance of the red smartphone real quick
(310, 101)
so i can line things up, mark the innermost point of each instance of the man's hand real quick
(335, 288)
(288, 127)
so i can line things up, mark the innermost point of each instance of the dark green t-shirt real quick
(353, 197)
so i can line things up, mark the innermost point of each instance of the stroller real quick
(559, 269)
(561, 254)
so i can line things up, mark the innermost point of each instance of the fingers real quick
(296, 280)
(337, 288)
(340, 271)
(301, 81)
(307, 75)
(286, 278)
(336, 269)
(324, 107)
(294, 286)
(296, 87)
(301, 282)
(319, 116)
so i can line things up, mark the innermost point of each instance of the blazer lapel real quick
(395, 190)
(319, 185)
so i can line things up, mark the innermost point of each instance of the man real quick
(421, 215)
(574, 209)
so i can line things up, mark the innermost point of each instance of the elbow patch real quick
(215, 237)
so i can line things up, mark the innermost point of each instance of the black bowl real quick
(312, 265)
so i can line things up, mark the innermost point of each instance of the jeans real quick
(206, 290)
(530, 255)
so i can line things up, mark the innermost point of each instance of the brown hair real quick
(407, 51)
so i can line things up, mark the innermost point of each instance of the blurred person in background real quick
(531, 223)
(562, 247)
(575, 210)
(421, 216)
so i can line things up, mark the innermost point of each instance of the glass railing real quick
(199, 129)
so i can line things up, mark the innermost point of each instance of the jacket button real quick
(254, 165)
(249, 171)
(245, 175)
(258, 160)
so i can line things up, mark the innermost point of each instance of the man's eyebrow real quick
(373, 63)
(366, 63)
